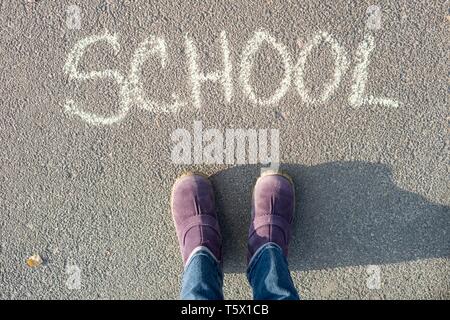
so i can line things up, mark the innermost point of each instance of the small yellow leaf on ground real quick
(34, 261)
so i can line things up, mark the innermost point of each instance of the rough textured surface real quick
(372, 181)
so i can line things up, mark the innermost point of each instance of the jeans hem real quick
(198, 250)
(257, 255)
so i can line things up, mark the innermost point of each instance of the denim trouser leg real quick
(202, 278)
(269, 275)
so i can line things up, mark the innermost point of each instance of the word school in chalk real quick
(131, 92)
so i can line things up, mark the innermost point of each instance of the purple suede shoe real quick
(194, 214)
(272, 212)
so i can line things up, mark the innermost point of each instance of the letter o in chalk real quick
(341, 65)
(247, 64)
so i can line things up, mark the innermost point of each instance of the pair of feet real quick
(195, 217)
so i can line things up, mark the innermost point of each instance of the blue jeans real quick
(267, 273)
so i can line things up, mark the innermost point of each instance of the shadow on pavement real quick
(347, 214)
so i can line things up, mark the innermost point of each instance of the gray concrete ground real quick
(93, 200)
